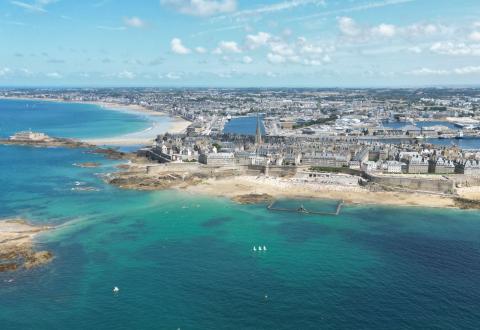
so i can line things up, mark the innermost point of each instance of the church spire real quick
(258, 133)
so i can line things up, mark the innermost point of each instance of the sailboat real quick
(254, 248)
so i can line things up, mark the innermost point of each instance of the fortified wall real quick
(438, 185)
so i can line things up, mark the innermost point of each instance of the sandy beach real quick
(234, 187)
(145, 137)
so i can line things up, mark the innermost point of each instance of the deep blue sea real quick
(186, 262)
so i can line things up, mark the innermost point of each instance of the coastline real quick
(154, 118)
(17, 245)
(239, 187)
(258, 189)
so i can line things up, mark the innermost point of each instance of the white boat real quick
(259, 248)
(264, 248)
(116, 289)
(254, 248)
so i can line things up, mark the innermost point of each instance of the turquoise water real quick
(184, 261)
(73, 120)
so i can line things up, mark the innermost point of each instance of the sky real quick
(240, 43)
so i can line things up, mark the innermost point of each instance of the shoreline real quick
(242, 187)
(247, 189)
(17, 245)
(146, 136)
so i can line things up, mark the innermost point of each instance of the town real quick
(409, 139)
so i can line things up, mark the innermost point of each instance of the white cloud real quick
(200, 50)
(356, 32)
(348, 26)
(455, 49)
(202, 7)
(54, 75)
(254, 41)
(385, 30)
(467, 70)
(422, 29)
(173, 76)
(308, 48)
(247, 59)
(126, 75)
(35, 6)
(282, 48)
(415, 50)
(227, 47)
(275, 58)
(134, 22)
(178, 48)
(5, 71)
(360, 7)
(273, 8)
(301, 52)
(428, 72)
(474, 36)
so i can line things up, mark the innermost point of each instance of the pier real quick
(304, 210)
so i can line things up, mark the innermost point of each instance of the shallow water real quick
(73, 120)
(184, 261)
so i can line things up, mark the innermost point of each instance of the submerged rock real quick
(87, 164)
(17, 246)
(253, 198)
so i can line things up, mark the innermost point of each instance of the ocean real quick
(185, 261)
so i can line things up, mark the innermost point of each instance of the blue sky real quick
(239, 43)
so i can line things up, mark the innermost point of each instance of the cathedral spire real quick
(258, 132)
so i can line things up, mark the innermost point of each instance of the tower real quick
(258, 132)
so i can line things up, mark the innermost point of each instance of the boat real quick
(254, 248)
(115, 289)
(459, 136)
(259, 248)
(264, 248)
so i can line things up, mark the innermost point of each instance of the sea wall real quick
(422, 184)
(462, 180)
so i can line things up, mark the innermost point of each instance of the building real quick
(469, 167)
(369, 166)
(418, 165)
(217, 159)
(30, 136)
(444, 166)
(393, 166)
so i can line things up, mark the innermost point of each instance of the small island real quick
(37, 139)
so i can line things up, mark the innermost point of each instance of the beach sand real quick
(147, 136)
(234, 187)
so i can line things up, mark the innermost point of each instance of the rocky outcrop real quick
(17, 246)
(464, 203)
(87, 164)
(253, 198)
